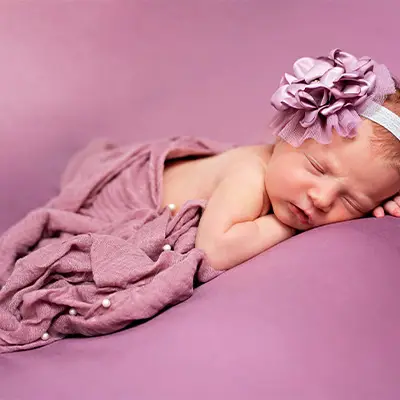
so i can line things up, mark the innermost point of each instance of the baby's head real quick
(383, 143)
(334, 167)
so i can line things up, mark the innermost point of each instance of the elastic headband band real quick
(383, 116)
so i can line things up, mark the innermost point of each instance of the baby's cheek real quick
(340, 213)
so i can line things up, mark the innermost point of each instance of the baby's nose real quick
(323, 197)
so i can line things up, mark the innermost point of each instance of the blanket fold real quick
(94, 259)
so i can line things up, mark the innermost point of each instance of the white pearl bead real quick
(172, 206)
(167, 247)
(72, 311)
(106, 303)
(45, 336)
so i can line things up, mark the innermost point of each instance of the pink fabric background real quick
(71, 70)
(279, 327)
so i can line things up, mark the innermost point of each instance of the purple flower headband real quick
(332, 93)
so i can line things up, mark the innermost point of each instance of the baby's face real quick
(318, 184)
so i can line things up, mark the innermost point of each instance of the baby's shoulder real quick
(252, 158)
(246, 167)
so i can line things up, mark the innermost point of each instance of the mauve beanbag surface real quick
(313, 318)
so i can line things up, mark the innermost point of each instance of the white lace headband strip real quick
(383, 116)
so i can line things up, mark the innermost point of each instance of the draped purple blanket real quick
(94, 258)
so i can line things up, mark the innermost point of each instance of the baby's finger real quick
(392, 208)
(397, 200)
(378, 212)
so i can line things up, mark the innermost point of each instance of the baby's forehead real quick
(348, 150)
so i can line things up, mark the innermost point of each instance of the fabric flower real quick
(327, 88)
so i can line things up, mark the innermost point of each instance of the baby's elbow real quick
(216, 254)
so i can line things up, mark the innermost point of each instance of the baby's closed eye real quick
(315, 165)
(354, 207)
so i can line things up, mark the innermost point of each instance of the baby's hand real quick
(391, 207)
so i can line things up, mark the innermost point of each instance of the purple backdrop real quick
(317, 317)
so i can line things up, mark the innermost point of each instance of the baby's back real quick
(194, 178)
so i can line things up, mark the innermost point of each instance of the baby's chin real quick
(298, 226)
(284, 215)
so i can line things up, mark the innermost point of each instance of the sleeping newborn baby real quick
(135, 229)
(337, 158)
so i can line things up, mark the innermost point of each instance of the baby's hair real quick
(384, 143)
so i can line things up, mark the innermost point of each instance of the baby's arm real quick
(231, 229)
